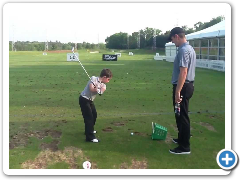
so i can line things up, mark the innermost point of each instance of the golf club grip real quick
(95, 87)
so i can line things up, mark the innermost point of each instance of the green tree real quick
(200, 26)
(84, 44)
(102, 46)
(187, 30)
(92, 46)
(149, 34)
(167, 33)
(66, 46)
(10, 45)
(79, 46)
(213, 22)
(117, 41)
(161, 40)
(88, 45)
(133, 40)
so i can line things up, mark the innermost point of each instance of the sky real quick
(94, 22)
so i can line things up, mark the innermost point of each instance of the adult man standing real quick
(183, 87)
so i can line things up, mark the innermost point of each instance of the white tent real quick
(216, 30)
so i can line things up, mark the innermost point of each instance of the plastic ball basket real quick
(158, 131)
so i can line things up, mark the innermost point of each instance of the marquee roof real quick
(217, 30)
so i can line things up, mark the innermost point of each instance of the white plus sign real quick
(227, 159)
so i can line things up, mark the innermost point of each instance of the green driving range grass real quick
(46, 128)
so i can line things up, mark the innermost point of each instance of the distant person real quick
(86, 98)
(183, 87)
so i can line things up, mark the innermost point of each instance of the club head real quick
(73, 49)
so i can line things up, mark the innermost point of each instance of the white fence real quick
(171, 51)
(205, 63)
(211, 64)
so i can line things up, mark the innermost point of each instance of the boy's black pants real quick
(89, 114)
(183, 121)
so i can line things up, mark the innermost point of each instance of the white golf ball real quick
(131, 133)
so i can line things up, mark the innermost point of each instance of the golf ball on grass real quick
(132, 134)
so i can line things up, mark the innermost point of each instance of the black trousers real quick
(89, 114)
(183, 121)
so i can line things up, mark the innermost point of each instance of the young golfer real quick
(97, 85)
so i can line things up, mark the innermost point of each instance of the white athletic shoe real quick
(95, 140)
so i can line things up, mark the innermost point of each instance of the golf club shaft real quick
(84, 68)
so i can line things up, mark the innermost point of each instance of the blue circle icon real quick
(227, 159)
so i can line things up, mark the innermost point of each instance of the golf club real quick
(84, 70)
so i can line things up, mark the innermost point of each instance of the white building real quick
(209, 45)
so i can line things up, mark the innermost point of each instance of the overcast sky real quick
(93, 22)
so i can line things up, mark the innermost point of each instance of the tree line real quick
(116, 41)
(124, 41)
(53, 46)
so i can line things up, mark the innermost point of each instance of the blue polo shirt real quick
(186, 57)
